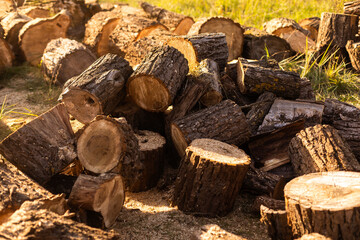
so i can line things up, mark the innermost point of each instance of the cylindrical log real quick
(154, 84)
(210, 177)
(97, 90)
(104, 193)
(37, 33)
(64, 58)
(202, 46)
(313, 236)
(320, 149)
(224, 122)
(327, 203)
(276, 222)
(353, 50)
(6, 55)
(151, 146)
(312, 25)
(255, 80)
(233, 31)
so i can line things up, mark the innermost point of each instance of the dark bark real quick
(209, 72)
(232, 92)
(268, 202)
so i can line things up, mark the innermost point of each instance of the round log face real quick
(103, 44)
(184, 26)
(99, 147)
(149, 93)
(7, 55)
(186, 48)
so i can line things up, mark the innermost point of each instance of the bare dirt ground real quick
(146, 215)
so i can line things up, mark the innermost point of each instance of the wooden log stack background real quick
(152, 86)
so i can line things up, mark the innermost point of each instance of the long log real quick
(98, 90)
(42, 147)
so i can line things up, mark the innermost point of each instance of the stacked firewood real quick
(230, 124)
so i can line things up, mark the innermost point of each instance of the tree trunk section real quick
(210, 177)
(276, 222)
(232, 92)
(37, 33)
(353, 50)
(6, 55)
(233, 31)
(98, 90)
(104, 194)
(224, 122)
(345, 118)
(312, 25)
(202, 46)
(326, 203)
(320, 149)
(64, 58)
(43, 147)
(154, 84)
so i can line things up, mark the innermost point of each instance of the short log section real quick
(210, 177)
(276, 222)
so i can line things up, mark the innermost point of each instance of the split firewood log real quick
(292, 32)
(353, 50)
(109, 144)
(232, 92)
(320, 149)
(210, 177)
(326, 203)
(155, 82)
(233, 31)
(254, 80)
(268, 202)
(224, 122)
(64, 58)
(98, 90)
(312, 25)
(352, 7)
(35, 11)
(104, 194)
(313, 236)
(283, 112)
(6, 55)
(151, 146)
(202, 46)
(45, 224)
(335, 31)
(177, 23)
(42, 147)
(37, 33)
(276, 222)
(346, 119)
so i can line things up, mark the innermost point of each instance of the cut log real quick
(153, 155)
(268, 202)
(64, 58)
(335, 31)
(61, 184)
(202, 46)
(109, 144)
(320, 149)
(35, 12)
(42, 147)
(224, 122)
(313, 236)
(326, 203)
(292, 32)
(210, 177)
(104, 193)
(346, 119)
(44, 224)
(353, 50)
(7, 55)
(37, 33)
(259, 183)
(312, 25)
(97, 90)
(233, 31)
(276, 222)
(352, 7)
(258, 112)
(16, 188)
(232, 92)
(283, 112)
(254, 80)
(177, 23)
(270, 150)
(154, 84)
(260, 47)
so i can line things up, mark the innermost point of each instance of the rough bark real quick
(268, 202)
(154, 84)
(232, 92)
(255, 80)
(153, 155)
(283, 112)
(64, 58)
(97, 90)
(37, 33)
(320, 149)
(312, 25)
(7, 55)
(210, 177)
(42, 147)
(224, 122)
(276, 223)
(346, 119)
(352, 7)
(326, 203)
(202, 46)
(353, 50)
(233, 31)
(104, 194)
